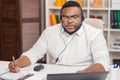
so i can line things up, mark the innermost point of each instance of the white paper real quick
(14, 76)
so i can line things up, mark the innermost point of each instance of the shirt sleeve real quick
(38, 50)
(100, 51)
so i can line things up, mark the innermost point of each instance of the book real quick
(59, 3)
(118, 19)
(115, 4)
(111, 20)
(115, 19)
(81, 2)
(52, 19)
(96, 17)
(57, 19)
(97, 3)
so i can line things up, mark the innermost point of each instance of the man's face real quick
(71, 18)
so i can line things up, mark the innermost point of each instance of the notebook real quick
(78, 76)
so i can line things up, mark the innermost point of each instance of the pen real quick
(26, 76)
(14, 61)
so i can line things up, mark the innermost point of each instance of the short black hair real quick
(71, 4)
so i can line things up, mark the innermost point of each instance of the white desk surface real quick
(41, 75)
(48, 69)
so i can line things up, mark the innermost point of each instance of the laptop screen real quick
(78, 76)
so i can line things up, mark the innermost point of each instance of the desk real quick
(41, 75)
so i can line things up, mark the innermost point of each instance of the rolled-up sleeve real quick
(100, 51)
(38, 50)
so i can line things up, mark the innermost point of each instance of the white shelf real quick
(114, 8)
(53, 7)
(115, 30)
(106, 29)
(99, 8)
(114, 50)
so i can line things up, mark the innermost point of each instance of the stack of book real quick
(116, 44)
(59, 3)
(115, 19)
(96, 17)
(115, 4)
(54, 19)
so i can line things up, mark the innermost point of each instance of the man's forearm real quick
(95, 68)
(23, 61)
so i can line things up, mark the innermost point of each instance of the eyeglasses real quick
(73, 18)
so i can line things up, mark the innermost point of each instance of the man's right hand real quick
(19, 63)
(14, 67)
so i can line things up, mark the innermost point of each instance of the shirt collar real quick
(80, 30)
(76, 33)
(63, 32)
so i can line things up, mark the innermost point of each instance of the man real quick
(71, 43)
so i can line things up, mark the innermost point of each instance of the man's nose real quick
(70, 20)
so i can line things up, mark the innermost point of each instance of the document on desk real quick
(3, 68)
(14, 76)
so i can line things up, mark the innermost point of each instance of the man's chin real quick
(70, 30)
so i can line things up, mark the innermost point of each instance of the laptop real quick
(78, 76)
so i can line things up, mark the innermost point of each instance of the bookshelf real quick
(111, 35)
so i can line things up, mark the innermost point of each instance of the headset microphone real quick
(63, 49)
(56, 60)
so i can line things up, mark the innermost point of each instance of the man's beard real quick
(78, 27)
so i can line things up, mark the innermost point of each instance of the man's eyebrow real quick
(74, 15)
(69, 16)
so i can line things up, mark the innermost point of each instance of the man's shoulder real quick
(57, 26)
(53, 29)
(91, 29)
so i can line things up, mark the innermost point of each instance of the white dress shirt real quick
(85, 47)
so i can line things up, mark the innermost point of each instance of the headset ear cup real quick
(83, 18)
(60, 17)
(60, 14)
